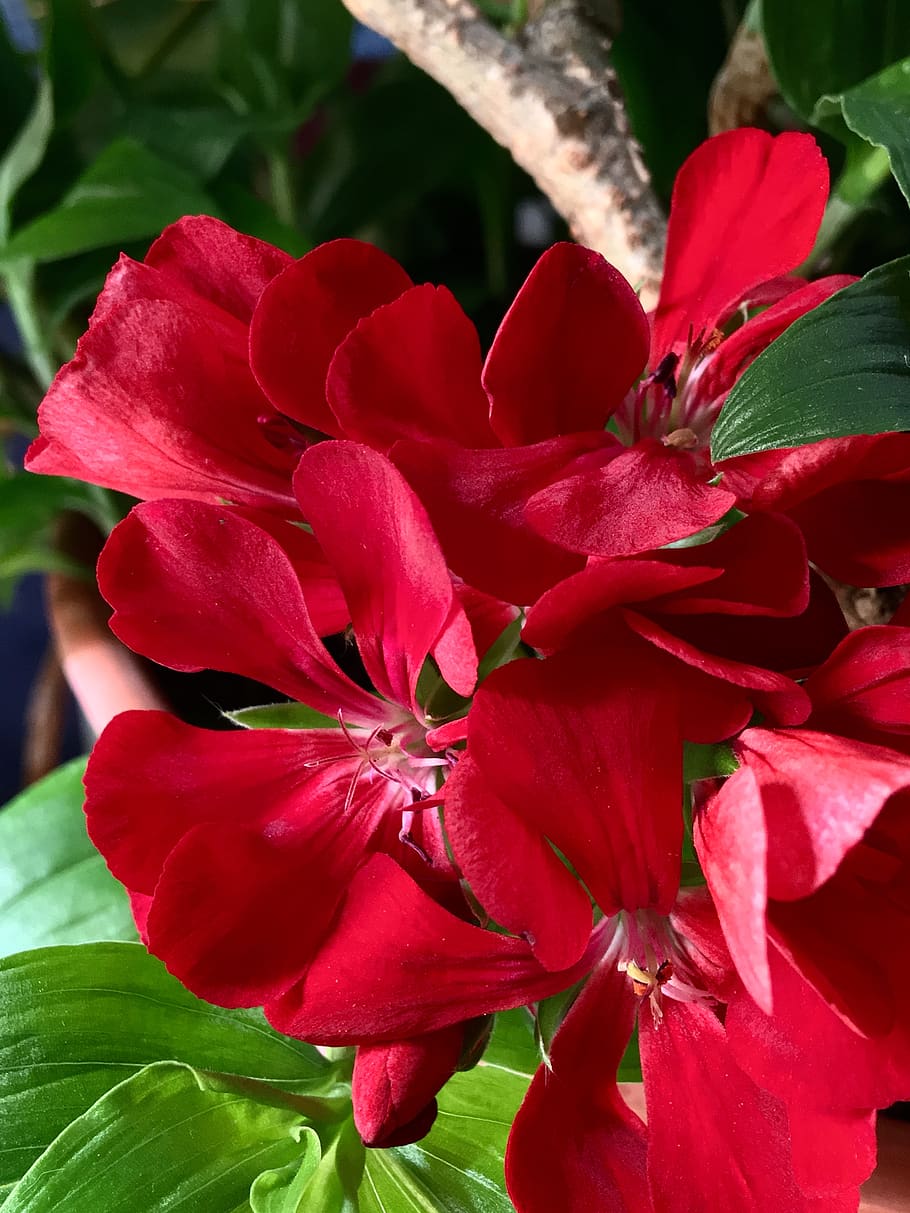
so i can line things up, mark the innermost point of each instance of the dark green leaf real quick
(26, 152)
(77, 1020)
(54, 886)
(249, 214)
(17, 87)
(127, 194)
(70, 54)
(843, 368)
(166, 1138)
(821, 47)
(282, 716)
(879, 111)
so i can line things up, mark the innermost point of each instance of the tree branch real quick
(551, 98)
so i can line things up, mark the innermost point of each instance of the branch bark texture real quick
(551, 98)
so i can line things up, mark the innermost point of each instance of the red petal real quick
(774, 694)
(807, 1055)
(476, 502)
(217, 263)
(305, 315)
(863, 689)
(398, 965)
(159, 401)
(833, 1153)
(609, 740)
(411, 370)
(820, 794)
(715, 1140)
(646, 497)
(574, 1143)
(732, 845)
(394, 576)
(488, 616)
(228, 918)
(226, 597)
(513, 872)
(575, 604)
(830, 488)
(742, 347)
(571, 345)
(746, 207)
(394, 1083)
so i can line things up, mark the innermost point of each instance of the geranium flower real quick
(247, 841)
(565, 361)
(160, 399)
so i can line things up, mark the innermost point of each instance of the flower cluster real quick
(608, 739)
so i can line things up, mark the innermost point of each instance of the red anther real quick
(384, 736)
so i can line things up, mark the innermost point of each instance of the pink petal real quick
(646, 497)
(513, 872)
(746, 207)
(574, 1143)
(609, 740)
(476, 502)
(226, 596)
(305, 315)
(159, 401)
(571, 345)
(411, 369)
(378, 538)
(715, 1140)
(397, 965)
(394, 1083)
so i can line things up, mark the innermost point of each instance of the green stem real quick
(282, 188)
(18, 278)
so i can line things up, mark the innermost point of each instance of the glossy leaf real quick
(169, 1138)
(54, 886)
(127, 194)
(878, 110)
(843, 368)
(283, 1190)
(75, 1021)
(821, 47)
(458, 1167)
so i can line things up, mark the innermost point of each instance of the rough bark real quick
(551, 97)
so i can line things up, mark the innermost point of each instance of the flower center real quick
(648, 949)
(671, 403)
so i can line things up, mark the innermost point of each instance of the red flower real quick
(246, 837)
(745, 211)
(807, 854)
(161, 398)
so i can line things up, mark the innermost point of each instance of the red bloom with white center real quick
(247, 841)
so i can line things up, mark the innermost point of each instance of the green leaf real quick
(879, 111)
(26, 152)
(77, 1020)
(512, 1047)
(283, 1190)
(843, 368)
(166, 1138)
(282, 716)
(54, 886)
(821, 47)
(127, 194)
(458, 1167)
